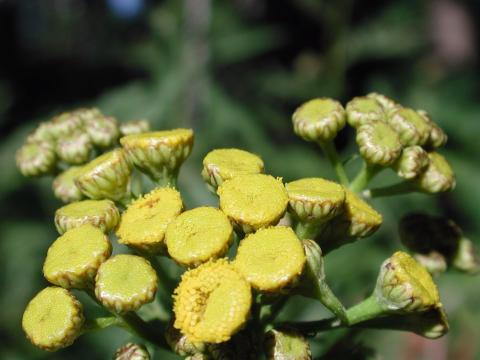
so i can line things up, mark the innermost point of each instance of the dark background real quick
(235, 71)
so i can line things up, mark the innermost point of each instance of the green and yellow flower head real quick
(271, 259)
(125, 283)
(36, 158)
(99, 213)
(74, 148)
(412, 162)
(319, 119)
(253, 201)
(286, 344)
(42, 132)
(438, 176)
(134, 127)
(363, 109)
(64, 187)
(411, 127)
(315, 199)
(212, 302)
(102, 130)
(363, 220)
(223, 164)
(387, 103)
(53, 319)
(74, 258)
(132, 351)
(437, 137)
(199, 235)
(143, 225)
(65, 124)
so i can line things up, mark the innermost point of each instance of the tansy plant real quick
(241, 261)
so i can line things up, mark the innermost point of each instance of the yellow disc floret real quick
(212, 302)
(53, 319)
(253, 201)
(271, 259)
(143, 224)
(198, 235)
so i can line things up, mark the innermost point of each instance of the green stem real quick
(306, 230)
(402, 188)
(328, 148)
(325, 295)
(364, 176)
(102, 323)
(366, 310)
(168, 180)
(269, 313)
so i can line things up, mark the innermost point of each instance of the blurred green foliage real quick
(235, 71)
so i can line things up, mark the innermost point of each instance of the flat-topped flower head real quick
(125, 283)
(387, 103)
(134, 127)
(74, 148)
(438, 176)
(412, 162)
(378, 143)
(363, 220)
(131, 351)
(65, 124)
(212, 302)
(74, 258)
(319, 119)
(315, 199)
(271, 259)
(286, 344)
(53, 319)
(159, 154)
(437, 137)
(36, 158)
(363, 109)
(403, 285)
(143, 225)
(64, 187)
(102, 130)
(411, 127)
(198, 235)
(253, 201)
(102, 214)
(223, 164)
(106, 177)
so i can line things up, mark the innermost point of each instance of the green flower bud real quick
(65, 124)
(36, 158)
(438, 177)
(159, 154)
(75, 148)
(223, 164)
(180, 343)
(319, 119)
(53, 319)
(412, 162)
(125, 283)
(434, 262)
(102, 214)
(411, 127)
(466, 257)
(387, 103)
(437, 137)
(363, 220)
(74, 258)
(103, 132)
(64, 186)
(286, 345)
(106, 177)
(134, 127)
(132, 351)
(43, 132)
(361, 110)
(378, 143)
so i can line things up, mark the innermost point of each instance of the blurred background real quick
(235, 71)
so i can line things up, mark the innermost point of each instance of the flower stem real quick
(364, 176)
(307, 230)
(102, 323)
(402, 188)
(328, 148)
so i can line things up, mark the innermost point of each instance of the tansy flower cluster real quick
(241, 260)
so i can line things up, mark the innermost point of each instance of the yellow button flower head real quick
(253, 201)
(223, 164)
(212, 302)
(198, 235)
(437, 137)
(144, 223)
(319, 119)
(387, 103)
(315, 199)
(36, 158)
(411, 127)
(64, 124)
(362, 109)
(106, 177)
(362, 218)
(74, 148)
(271, 259)
(378, 143)
(438, 177)
(412, 162)
(73, 259)
(134, 127)
(102, 214)
(42, 132)
(64, 186)
(125, 283)
(287, 345)
(53, 319)
(159, 154)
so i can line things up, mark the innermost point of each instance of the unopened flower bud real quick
(319, 119)
(223, 164)
(42, 132)
(125, 283)
(411, 127)
(361, 110)
(378, 143)
(36, 158)
(466, 257)
(180, 343)
(106, 177)
(64, 187)
(253, 201)
(434, 262)
(73, 259)
(134, 127)
(132, 351)
(286, 344)
(437, 137)
(102, 130)
(53, 319)
(387, 103)
(74, 148)
(438, 176)
(412, 162)
(102, 214)
(362, 218)
(65, 124)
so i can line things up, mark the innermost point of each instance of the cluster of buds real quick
(242, 260)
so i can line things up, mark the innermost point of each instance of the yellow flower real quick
(363, 219)
(438, 177)
(64, 186)
(212, 302)
(271, 259)
(143, 224)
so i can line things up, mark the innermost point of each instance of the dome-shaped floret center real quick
(231, 162)
(360, 210)
(171, 138)
(316, 109)
(86, 208)
(315, 190)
